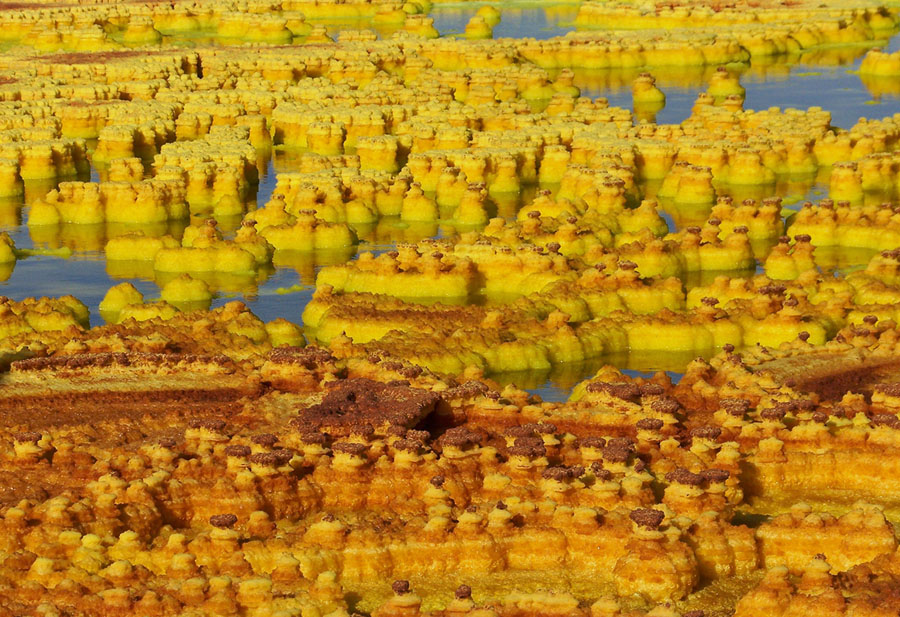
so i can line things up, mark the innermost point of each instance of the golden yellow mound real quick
(498, 501)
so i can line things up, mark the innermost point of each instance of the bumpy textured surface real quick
(184, 460)
(315, 481)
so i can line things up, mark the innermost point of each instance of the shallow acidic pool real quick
(827, 78)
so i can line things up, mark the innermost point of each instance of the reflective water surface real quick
(70, 260)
